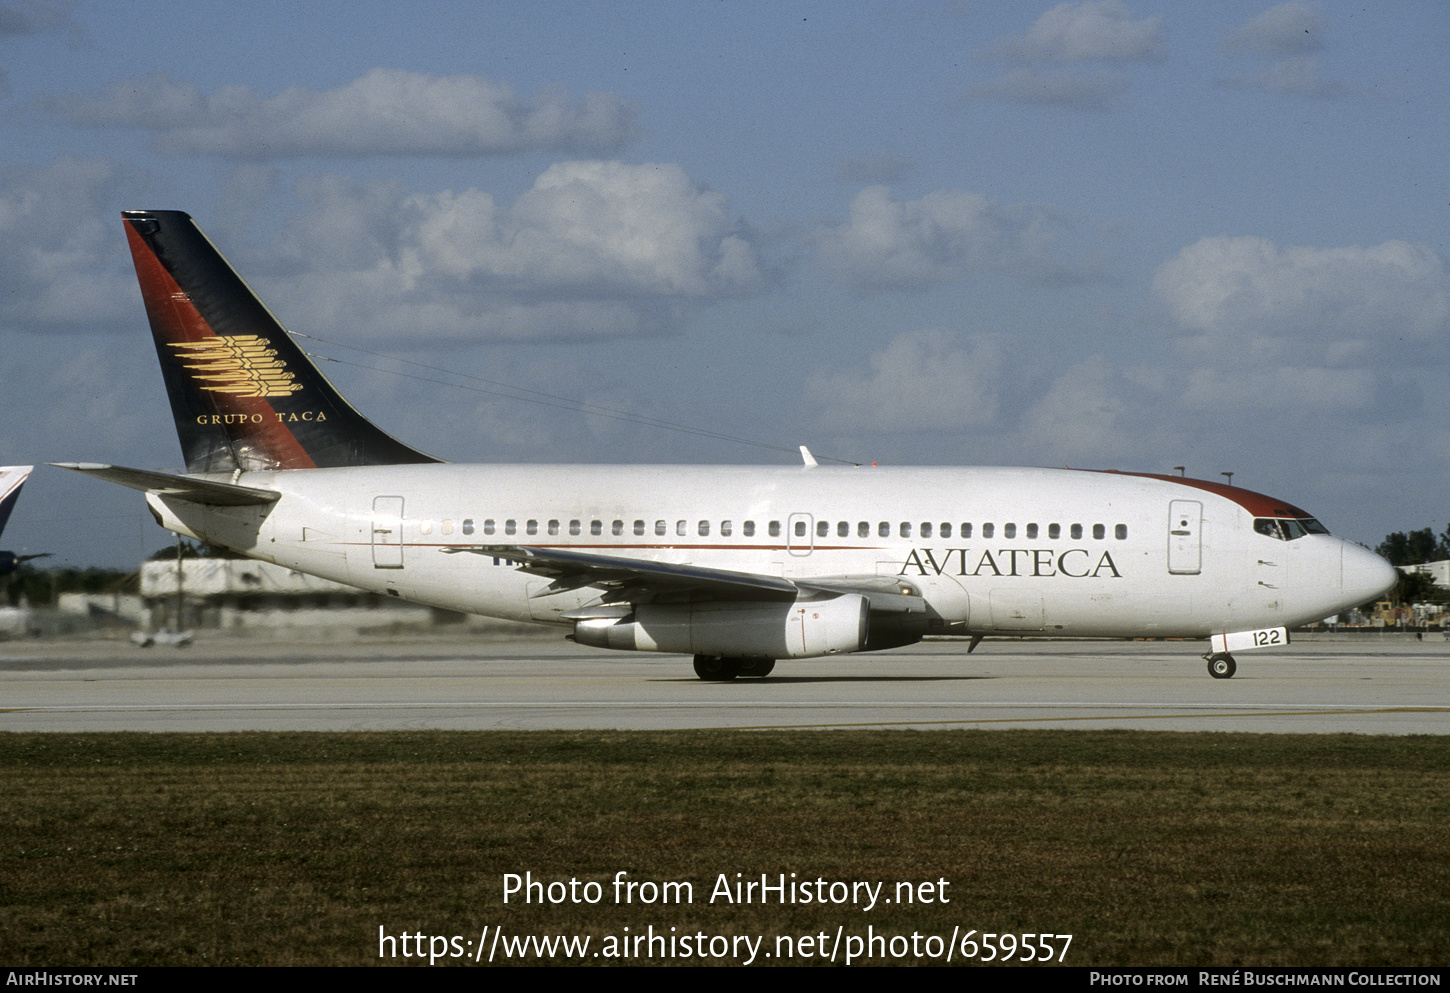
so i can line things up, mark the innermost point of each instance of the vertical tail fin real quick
(12, 477)
(243, 394)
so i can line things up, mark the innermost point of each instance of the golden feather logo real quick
(242, 365)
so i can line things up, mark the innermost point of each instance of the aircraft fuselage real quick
(992, 550)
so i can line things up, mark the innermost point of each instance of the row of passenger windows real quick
(799, 529)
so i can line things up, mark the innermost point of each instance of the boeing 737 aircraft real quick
(737, 566)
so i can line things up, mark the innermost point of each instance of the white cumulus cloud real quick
(922, 381)
(63, 262)
(592, 249)
(1245, 286)
(1294, 28)
(384, 112)
(1092, 31)
(944, 236)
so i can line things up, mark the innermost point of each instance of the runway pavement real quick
(1390, 684)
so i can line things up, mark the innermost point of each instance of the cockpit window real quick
(1288, 528)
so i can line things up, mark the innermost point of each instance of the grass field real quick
(1148, 848)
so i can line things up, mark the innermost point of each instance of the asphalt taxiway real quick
(1389, 684)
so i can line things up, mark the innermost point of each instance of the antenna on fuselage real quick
(810, 459)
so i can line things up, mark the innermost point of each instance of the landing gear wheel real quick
(715, 669)
(756, 667)
(1221, 666)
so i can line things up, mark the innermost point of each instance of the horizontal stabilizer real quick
(193, 488)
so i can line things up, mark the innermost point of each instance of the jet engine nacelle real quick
(797, 630)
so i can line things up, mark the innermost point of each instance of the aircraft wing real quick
(634, 580)
(193, 488)
(626, 580)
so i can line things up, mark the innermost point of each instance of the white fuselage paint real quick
(1220, 576)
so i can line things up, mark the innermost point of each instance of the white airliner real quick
(737, 566)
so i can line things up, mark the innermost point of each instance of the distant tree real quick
(192, 550)
(39, 587)
(1415, 547)
(1418, 587)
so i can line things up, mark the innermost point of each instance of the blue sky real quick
(1104, 234)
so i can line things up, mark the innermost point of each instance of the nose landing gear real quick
(1221, 665)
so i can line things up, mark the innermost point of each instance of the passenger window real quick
(426, 527)
(988, 530)
(639, 527)
(510, 526)
(468, 525)
(884, 529)
(748, 529)
(617, 528)
(596, 527)
(1121, 532)
(843, 530)
(682, 528)
(823, 528)
(725, 529)
(800, 529)
(905, 529)
(946, 530)
(661, 528)
(926, 529)
(1009, 530)
(447, 525)
(1076, 532)
(704, 529)
(1031, 531)
(775, 529)
(553, 527)
(532, 527)
(1054, 531)
(966, 531)
(1099, 532)
(863, 529)
(575, 527)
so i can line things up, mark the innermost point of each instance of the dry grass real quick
(1149, 848)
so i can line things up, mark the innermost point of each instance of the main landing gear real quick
(716, 668)
(1221, 665)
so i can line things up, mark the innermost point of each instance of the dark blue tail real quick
(243, 394)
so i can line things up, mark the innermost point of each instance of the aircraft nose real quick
(1363, 575)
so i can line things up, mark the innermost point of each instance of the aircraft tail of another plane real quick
(244, 395)
(12, 477)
